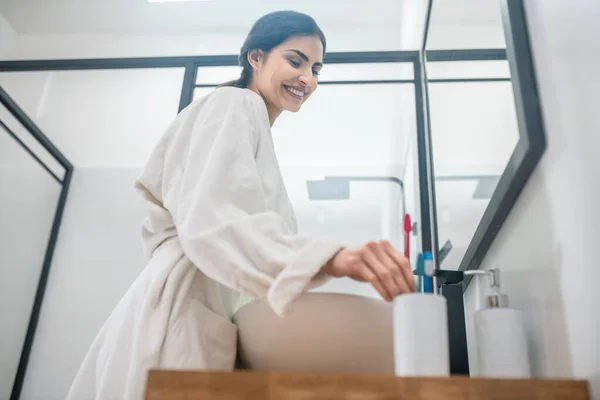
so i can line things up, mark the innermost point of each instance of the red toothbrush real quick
(407, 231)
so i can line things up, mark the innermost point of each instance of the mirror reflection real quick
(473, 121)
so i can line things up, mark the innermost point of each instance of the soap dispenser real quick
(501, 338)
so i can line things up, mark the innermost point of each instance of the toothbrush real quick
(407, 231)
(420, 272)
(429, 271)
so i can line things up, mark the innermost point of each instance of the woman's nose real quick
(308, 79)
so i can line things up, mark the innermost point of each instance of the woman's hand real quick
(377, 263)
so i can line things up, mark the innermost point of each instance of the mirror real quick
(485, 121)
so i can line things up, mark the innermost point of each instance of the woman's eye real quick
(316, 73)
(295, 64)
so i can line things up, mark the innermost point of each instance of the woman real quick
(220, 229)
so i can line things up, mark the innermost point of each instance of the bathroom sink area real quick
(324, 332)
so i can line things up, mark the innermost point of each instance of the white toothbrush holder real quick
(420, 323)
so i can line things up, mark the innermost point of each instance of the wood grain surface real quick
(253, 385)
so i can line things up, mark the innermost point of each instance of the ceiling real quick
(382, 24)
(139, 16)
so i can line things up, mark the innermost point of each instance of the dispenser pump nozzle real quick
(495, 299)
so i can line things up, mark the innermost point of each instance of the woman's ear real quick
(255, 58)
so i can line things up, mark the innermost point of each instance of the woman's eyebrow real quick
(303, 56)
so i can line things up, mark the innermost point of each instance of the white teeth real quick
(295, 91)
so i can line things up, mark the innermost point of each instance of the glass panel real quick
(465, 24)
(367, 71)
(217, 75)
(34, 88)
(354, 124)
(28, 202)
(474, 132)
(467, 69)
(11, 126)
(103, 118)
(349, 132)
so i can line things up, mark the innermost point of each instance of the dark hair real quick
(270, 31)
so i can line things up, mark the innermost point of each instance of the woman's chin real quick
(292, 107)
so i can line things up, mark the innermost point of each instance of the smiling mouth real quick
(298, 94)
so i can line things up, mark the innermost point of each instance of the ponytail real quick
(244, 80)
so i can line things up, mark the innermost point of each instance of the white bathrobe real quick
(220, 231)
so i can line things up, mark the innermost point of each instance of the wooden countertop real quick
(253, 385)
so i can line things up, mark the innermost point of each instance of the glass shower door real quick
(32, 181)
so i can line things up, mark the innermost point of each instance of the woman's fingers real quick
(404, 264)
(369, 276)
(393, 270)
(383, 274)
(377, 263)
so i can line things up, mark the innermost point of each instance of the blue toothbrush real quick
(429, 272)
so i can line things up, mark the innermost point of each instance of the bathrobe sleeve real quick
(221, 215)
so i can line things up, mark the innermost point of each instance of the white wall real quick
(547, 246)
(66, 46)
(61, 46)
(7, 37)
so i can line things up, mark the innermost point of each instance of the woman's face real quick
(287, 75)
